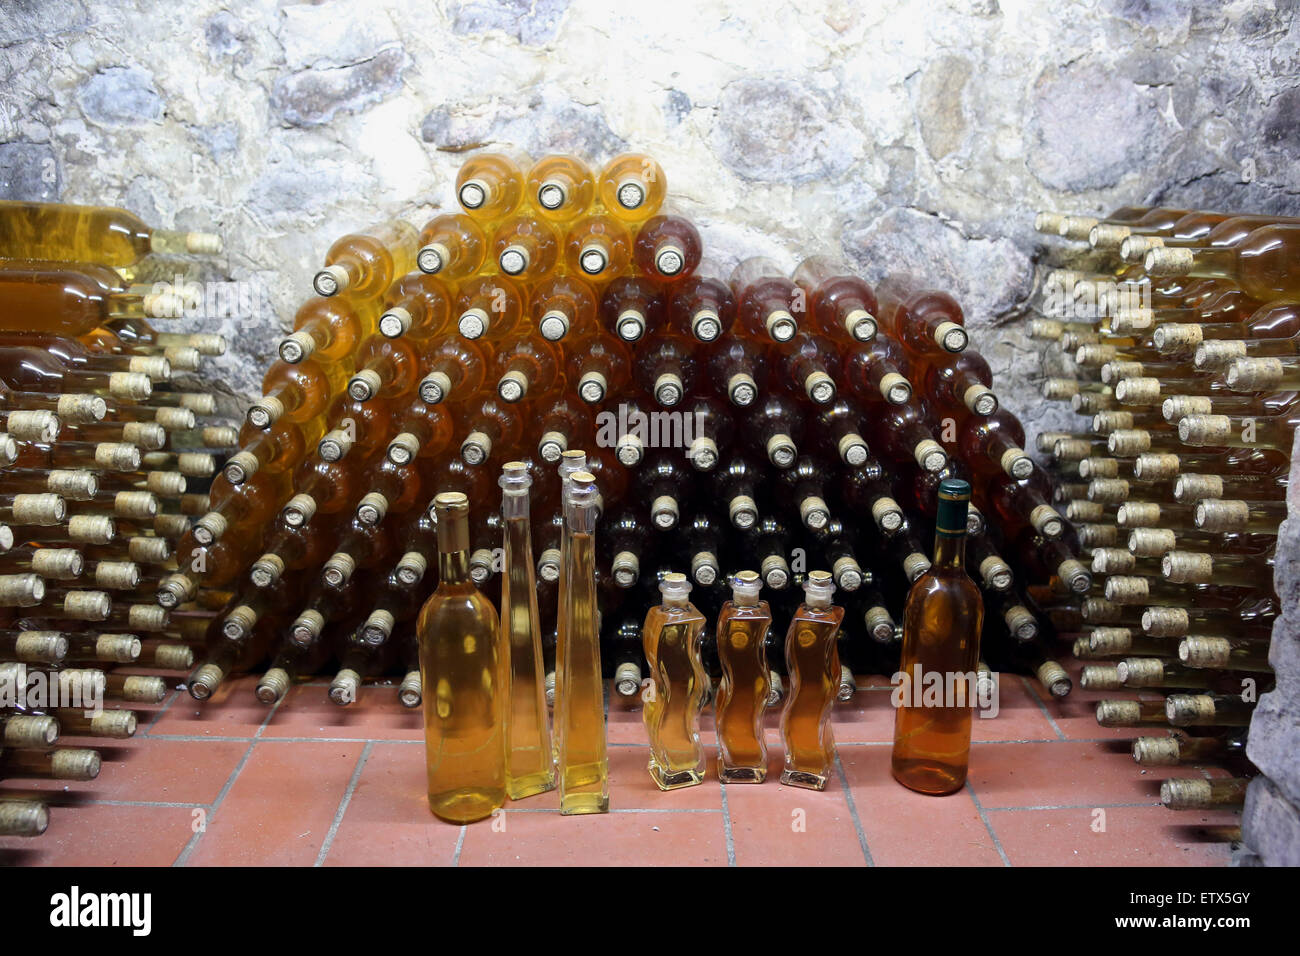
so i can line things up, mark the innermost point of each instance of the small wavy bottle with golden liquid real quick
(813, 660)
(743, 624)
(460, 668)
(672, 637)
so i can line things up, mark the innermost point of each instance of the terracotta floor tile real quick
(387, 822)
(774, 825)
(100, 835)
(1068, 773)
(601, 839)
(631, 787)
(1133, 836)
(155, 771)
(308, 712)
(904, 828)
(232, 711)
(280, 807)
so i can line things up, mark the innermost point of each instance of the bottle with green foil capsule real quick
(813, 660)
(583, 768)
(460, 669)
(672, 636)
(529, 761)
(940, 659)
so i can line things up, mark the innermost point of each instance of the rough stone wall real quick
(905, 135)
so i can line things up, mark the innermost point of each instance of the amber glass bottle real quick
(813, 660)
(941, 632)
(672, 636)
(366, 263)
(452, 246)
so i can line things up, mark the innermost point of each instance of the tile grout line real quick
(183, 858)
(346, 799)
(1024, 682)
(460, 842)
(726, 826)
(984, 817)
(853, 810)
(162, 710)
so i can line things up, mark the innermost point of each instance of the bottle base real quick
(466, 806)
(742, 774)
(802, 778)
(573, 804)
(530, 786)
(674, 780)
(931, 779)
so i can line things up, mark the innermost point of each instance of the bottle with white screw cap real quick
(364, 264)
(452, 246)
(872, 371)
(840, 304)
(597, 248)
(631, 187)
(525, 248)
(563, 305)
(672, 638)
(598, 366)
(766, 300)
(529, 768)
(924, 321)
(737, 369)
(667, 248)
(489, 307)
(812, 659)
(743, 692)
(701, 306)
(490, 186)
(559, 187)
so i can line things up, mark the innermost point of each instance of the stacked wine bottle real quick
(106, 445)
(1176, 332)
(563, 321)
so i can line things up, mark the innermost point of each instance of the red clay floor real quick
(232, 782)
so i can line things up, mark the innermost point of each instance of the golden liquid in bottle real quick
(672, 637)
(742, 693)
(580, 702)
(529, 767)
(813, 659)
(461, 672)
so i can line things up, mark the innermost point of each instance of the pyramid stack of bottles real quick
(1175, 334)
(553, 386)
(106, 447)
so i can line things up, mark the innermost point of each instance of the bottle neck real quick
(949, 551)
(453, 549)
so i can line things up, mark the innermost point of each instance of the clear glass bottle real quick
(460, 667)
(672, 637)
(813, 660)
(529, 767)
(580, 689)
(743, 692)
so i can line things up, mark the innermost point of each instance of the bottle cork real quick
(1109, 641)
(147, 617)
(207, 343)
(1116, 371)
(706, 325)
(781, 325)
(73, 485)
(87, 605)
(40, 510)
(1127, 589)
(1187, 567)
(929, 454)
(41, 647)
(200, 403)
(1072, 449)
(743, 511)
(1177, 337)
(1140, 672)
(1118, 713)
(548, 564)
(372, 508)
(704, 568)
(1111, 420)
(176, 589)
(1156, 466)
(115, 724)
(175, 418)
(668, 389)
(195, 464)
(1255, 374)
(1168, 261)
(239, 623)
(117, 575)
(434, 257)
(819, 387)
(1212, 356)
(702, 453)
(995, 573)
(37, 426)
(265, 412)
(847, 573)
(298, 510)
(1113, 561)
(173, 657)
(1190, 710)
(131, 386)
(473, 323)
(1128, 443)
(117, 456)
(742, 389)
(852, 449)
(81, 409)
(513, 386)
(1097, 610)
(210, 528)
(895, 389)
(331, 280)
(1107, 235)
(411, 691)
(1157, 751)
(206, 680)
(30, 732)
(1094, 467)
(117, 648)
(156, 367)
(1047, 330)
(23, 818)
(339, 569)
(345, 687)
(147, 550)
(1095, 355)
(1021, 623)
(397, 321)
(21, 590)
(1219, 515)
(879, 624)
(1098, 535)
(1075, 575)
(1205, 430)
(136, 505)
(1090, 403)
(1046, 521)
(915, 565)
(1193, 488)
(781, 450)
(1201, 652)
(1138, 514)
(435, 387)
(887, 514)
(377, 627)
(273, 686)
(411, 568)
(626, 568)
(1100, 677)
(775, 571)
(664, 512)
(1138, 391)
(365, 385)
